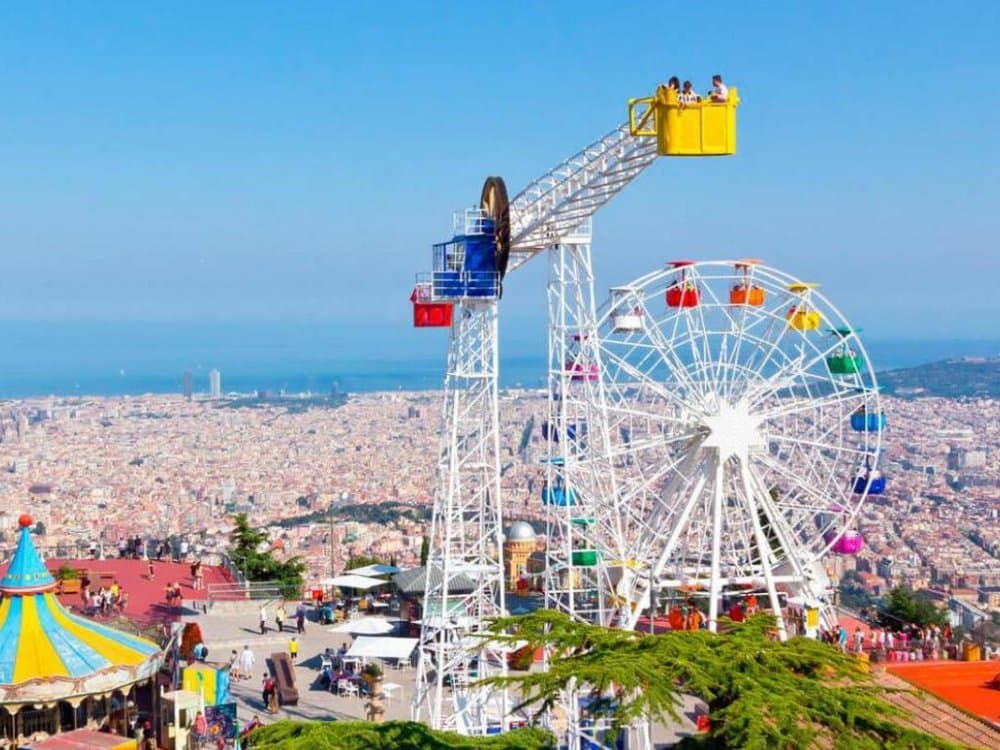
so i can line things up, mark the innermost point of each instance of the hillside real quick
(968, 377)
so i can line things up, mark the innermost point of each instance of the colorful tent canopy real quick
(46, 653)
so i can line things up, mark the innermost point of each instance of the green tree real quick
(390, 735)
(853, 593)
(903, 605)
(761, 693)
(248, 551)
(425, 550)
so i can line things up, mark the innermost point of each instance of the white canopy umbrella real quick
(351, 581)
(364, 626)
(382, 648)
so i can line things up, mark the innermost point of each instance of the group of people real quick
(918, 643)
(336, 669)
(173, 594)
(104, 601)
(281, 616)
(687, 95)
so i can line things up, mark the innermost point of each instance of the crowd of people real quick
(687, 95)
(103, 601)
(909, 643)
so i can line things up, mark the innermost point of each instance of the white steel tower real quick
(464, 585)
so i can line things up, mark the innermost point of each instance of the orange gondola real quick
(746, 292)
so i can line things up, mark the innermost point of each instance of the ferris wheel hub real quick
(732, 430)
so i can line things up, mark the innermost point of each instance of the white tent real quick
(349, 581)
(364, 626)
(371, 647)
(375, 570)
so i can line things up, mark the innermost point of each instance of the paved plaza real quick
(230, 626)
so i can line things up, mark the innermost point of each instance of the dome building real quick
(59, 671)
(520, 540)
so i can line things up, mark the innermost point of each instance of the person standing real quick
(267, 691)
(263, 619)
(300, 618)
(293, 649)
(199, 729)
(279, 617)
(149, 569)
(246, 663)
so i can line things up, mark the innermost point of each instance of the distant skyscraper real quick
(215, 384)
(187, 384)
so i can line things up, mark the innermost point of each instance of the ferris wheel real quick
(742, 428)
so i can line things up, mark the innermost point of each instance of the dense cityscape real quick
(86, 468)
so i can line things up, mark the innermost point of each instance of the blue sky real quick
(294, 161)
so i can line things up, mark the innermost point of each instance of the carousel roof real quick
(46, 653)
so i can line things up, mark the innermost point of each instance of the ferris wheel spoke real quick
(655, 387)
(785, 373)
(792, 407)
(668, 355)
(800, 487)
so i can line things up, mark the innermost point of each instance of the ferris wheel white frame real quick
(708, 408)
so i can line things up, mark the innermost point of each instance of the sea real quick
(45, 358)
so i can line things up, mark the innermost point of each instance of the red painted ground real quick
(961, 683)
(85, 739)
(146, 601)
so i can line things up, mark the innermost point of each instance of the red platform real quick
(961, 683)
(146, 600)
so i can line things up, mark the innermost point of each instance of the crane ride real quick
(702, 445)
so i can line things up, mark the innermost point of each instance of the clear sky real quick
(294, 161)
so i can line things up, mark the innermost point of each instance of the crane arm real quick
(548, 210)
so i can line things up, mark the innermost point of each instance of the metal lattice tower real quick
(465, 569)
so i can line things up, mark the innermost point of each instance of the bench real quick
(69, 586)
(284, 676)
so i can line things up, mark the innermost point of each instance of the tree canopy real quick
(248, 552)
(391, 735)
(761, 693)
(901, 604)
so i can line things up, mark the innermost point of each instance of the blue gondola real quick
(863, 422)
(558, 495)
(872, 480)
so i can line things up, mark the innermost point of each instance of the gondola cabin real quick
(626, 312)
(744, 295)
(428, 313)
(584, 558)
(581, 371)
(849, 543)
(844, 362)
(465, 266)
(869, 479)
(559, 496)
(704, 128)
(744, 291)
(861, 421)
(801, 316)
(682, 292)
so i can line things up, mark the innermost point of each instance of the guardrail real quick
(246, 591)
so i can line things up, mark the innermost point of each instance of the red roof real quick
(961, 683)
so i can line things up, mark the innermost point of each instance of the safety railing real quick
(472, 221)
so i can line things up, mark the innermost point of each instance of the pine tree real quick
(761, 692)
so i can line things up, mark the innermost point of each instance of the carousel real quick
(59, 671)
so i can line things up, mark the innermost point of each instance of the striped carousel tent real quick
(47, 654)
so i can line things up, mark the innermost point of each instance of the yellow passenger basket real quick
(706, 128)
